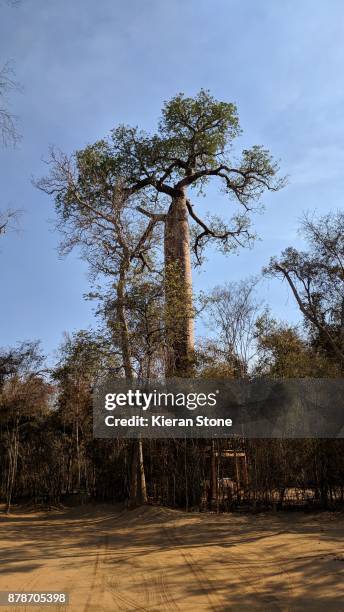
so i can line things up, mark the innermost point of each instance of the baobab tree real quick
(193, 144)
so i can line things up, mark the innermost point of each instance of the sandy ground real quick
(157, 559)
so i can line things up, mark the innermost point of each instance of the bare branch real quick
(9, 220)
(155, 216)
(208, 231)
(8, 121)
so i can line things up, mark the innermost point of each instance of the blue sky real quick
(86, 66)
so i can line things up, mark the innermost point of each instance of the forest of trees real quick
(126, 204)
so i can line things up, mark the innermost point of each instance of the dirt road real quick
(156, 559)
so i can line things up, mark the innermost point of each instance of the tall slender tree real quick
(118, 244)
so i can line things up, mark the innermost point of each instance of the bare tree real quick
(9, 220)
(8, 121)
(8, 124)
(8, 135)
(233, 311)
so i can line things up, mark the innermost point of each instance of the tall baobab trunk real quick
(178, 289)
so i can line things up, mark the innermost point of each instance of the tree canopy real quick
(193, 144)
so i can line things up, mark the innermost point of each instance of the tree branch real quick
(311, 317)
(155, 216)
(207, 231)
